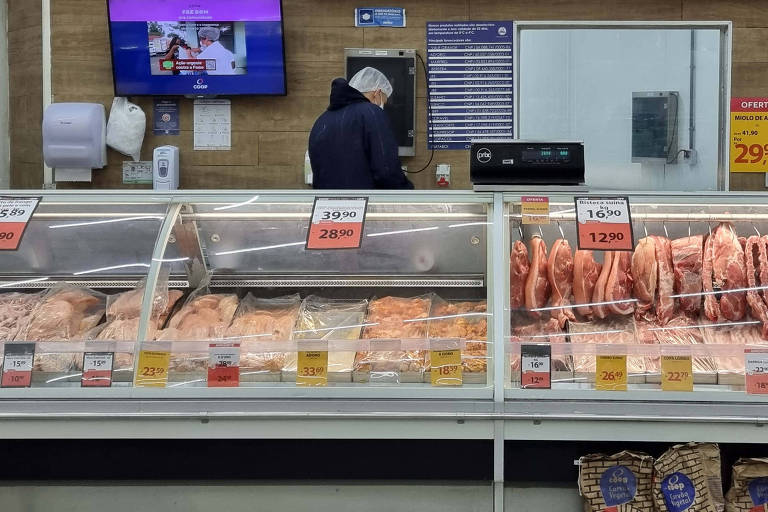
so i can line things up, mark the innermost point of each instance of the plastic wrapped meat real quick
(122, 330)
(387, 318)
(64, 314)
(539, 331)
(614, 331)
(330, 319)
(127, 305)
(473, 329)
(259, 320)
(732, 361)
(680, 330)
(15, 312)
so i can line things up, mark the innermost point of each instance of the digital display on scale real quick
(546, 155)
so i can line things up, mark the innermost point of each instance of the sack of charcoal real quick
(687, 478)
(616, 483)
(749, 486)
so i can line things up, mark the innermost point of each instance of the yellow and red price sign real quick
(536, 366)
(446, 367)
(535, 209)
(223, 365)
(153, 369)
(756, 371)
(15, 213)
(337, 223)
(312, 368)
(604, 223)
(676, 373)
(610, 372)
(749, 134)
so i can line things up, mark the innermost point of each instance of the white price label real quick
(607, 210)
(97, 361)
(536, 364)
(223, 356)
(18, 363)
(340, 210)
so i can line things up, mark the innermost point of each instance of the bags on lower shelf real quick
(749, 486)
(621, 482)
(687, 477)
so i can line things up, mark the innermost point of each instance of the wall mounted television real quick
(197, 47)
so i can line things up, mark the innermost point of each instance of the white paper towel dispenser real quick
(74, 139)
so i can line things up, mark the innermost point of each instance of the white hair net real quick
(211, 33)
(371, 79)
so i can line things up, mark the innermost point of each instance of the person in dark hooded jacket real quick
(351, 145)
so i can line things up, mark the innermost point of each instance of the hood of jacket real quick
(342, 95)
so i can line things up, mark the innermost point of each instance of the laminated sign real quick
(15, 213)
(749, 134)
(337, 223)
(604, 223)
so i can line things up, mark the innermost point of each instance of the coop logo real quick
(502, 31)
(674, 484)
(484, 155)
(618, 477)
(679, 492)
(200, 84)
(618, 486)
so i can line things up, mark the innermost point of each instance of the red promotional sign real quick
(97, 370)
(756, 371)
(536, 366)
(17, 365)
(337, 223)
(604, 223)
(223, 365)
(15, 213)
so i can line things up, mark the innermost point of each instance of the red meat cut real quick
(665, 303)
(537, 284)
(724, 269)
(519, 266)
(585, 273)
(687, 259)
(601, 310)
(645, 271)
(560, 275)
(618, 287)
(757, 306)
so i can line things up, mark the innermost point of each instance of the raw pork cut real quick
(724, 269)
(519, 266)
(618, 287)
(645, 272)
(601, 310)
(203, 317)
(756, 303)
(687, 258)
(537, 284)
(560, 275)
(585, 273)
(665, 303)
(15, 312)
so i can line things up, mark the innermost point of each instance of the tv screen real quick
(197, 47)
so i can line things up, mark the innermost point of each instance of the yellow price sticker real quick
(676, 373)
(535, 210)
(446, 367)
(610, 372)
(153, 369)
(749, 135)
(312, 368)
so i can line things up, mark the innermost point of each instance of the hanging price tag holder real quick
(756, 370)
(97, 369)
(610, 371)
(337, 223)
(17, 365)
(223, 365)
(604, 223)
(445, 363)
(152, 370)
(676, 373)
(535, 366)
(534, 210)
(15, 213)
(312, 365)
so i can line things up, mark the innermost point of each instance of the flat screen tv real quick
(197, 47)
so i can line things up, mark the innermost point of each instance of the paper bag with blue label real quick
(687, 477)
(749, 486)
(619, 482)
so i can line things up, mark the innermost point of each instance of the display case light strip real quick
(107, 221)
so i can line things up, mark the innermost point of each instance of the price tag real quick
(312, 368)
(676, 373)
(153, 368)
(535, 210)
(749, 134)
(604, 223)
(536, 366)
(756, 375)
(15, 213)
(223, 365)
(337, 223)
(446, 367)
(610, 372)
(17, 365)
(97, 370)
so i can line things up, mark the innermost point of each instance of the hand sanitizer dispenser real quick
(165, 168)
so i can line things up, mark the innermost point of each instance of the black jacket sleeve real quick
(383, 159)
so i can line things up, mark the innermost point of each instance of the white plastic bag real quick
(125, 129)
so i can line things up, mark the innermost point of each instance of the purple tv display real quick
(197, 47)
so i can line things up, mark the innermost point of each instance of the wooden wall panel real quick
(270, 134)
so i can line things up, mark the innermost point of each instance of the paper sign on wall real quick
(380, 17)
(604, 223)
(749, 134)
(15, 213)
(165, 117)
(337, 223)
(213, 125)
